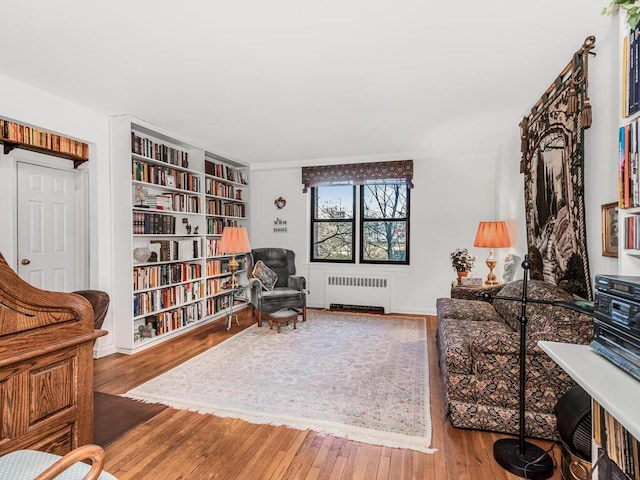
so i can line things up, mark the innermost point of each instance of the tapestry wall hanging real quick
(553, 162)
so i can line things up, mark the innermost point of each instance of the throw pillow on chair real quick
(267, 277)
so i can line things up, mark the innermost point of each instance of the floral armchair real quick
(274, 284)
(479, 358)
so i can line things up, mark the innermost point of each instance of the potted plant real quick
(629, 6)
(462, 262)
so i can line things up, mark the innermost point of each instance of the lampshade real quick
(492, 235)
(234, 240)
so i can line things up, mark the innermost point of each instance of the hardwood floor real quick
(178, 444)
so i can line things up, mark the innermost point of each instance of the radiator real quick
(357, 290)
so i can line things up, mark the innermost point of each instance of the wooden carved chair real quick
(33, 464)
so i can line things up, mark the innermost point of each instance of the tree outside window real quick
(383, 223)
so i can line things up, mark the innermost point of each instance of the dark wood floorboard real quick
(178, 444)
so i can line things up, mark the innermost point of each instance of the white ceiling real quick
(297, 80)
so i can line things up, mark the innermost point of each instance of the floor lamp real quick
(234, 240)
(516, 455)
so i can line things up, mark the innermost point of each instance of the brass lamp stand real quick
(492, 235)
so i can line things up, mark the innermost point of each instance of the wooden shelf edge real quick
(10, 145)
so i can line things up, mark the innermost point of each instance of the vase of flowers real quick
(462, 262)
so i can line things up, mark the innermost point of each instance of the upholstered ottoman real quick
(283, 316)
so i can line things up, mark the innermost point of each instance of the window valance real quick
(358, 173)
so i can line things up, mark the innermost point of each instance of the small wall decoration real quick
(280, 203)
(610, 230)
(279, 225)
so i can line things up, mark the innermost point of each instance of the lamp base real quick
(534, 464)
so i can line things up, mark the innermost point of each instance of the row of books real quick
(216, 285)
(621, 447)
(24, 134)
(632, 232)
(185, 249)
(154, 276)
(216, 225)
(154, 300)
(219, 189)
(220, 207)
(225, 172)
(171, 320)
(218, 267)
(153, 223)
(158, 151)
(177, 202)
(217, 304)
(164, 176)
(630, 73)
(628, 166)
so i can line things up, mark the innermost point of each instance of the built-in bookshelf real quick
(629, 152)
(615, 441)
(173, 198)
(15, 135)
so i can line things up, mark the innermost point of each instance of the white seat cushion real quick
(28, 464)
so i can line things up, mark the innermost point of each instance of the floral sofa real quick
(479, 346)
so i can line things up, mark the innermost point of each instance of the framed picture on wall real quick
(610, 229)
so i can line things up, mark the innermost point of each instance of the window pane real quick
(385, 201)
(384, 241)
(334, 202)
(333, 241)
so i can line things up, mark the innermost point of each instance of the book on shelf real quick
(185, 249)
(31, 136)
(630, 74)
(149, 148)
(619, 445)
(628, 165)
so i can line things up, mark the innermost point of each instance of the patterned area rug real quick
(364, 377)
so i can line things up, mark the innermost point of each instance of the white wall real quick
(450, 197)
(452, 194)
(28, 105)
(601, 146)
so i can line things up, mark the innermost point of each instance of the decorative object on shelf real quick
(146, 331)
(516, 455)
(142, 254)
(280, 203)
(629, 6)
(462, 262)
(471, 281)
(553, 166)
(610, 229)
(492, 235)
(171, 181)
(511, 262)
(141, 195)
(279, 225)
(234, 240)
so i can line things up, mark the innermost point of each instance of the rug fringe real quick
(385, 439)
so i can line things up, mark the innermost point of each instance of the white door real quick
(46, 227)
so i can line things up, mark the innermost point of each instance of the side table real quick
(473, 292)
(235, 293)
